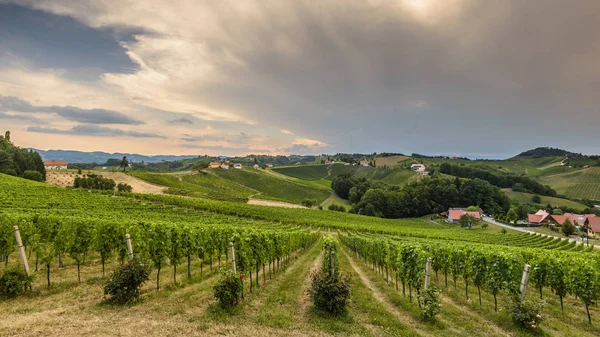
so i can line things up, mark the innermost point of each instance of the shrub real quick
(122, 187)
(228, 289)
(125, 283)
(429, 301)
(33, 175)
(537, 199)
(484, 225)
(14, 282)
(337, 208)
(503, 231)
(527, 314)
(330, 293)
(308, 203)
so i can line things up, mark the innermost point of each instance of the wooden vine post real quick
(332, 263)
(129, 246)
(524, 280)
(232, 257)
(21, 249)
(427, 272)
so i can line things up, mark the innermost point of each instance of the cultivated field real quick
(584, 184)
(555, 202)
(374, 253)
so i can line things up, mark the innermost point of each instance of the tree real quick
(536, 198)
(568, 228)
(467, 220)
(7, 136)
(124, 163)
(512, 216)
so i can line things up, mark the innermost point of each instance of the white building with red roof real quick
(454, 214)
(55, 164)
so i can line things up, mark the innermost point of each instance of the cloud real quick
(28, 118)
(287, 132)
(94, 130)
(71, 113)
(363, 76)
(304, 146)
(242, 149)
(181, 120)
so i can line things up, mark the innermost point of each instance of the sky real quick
(475, 78)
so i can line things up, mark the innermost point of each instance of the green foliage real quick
(16, 161)
(308, 203)
(337, 208)
(122, 187)
(467, 220)
(429, 301)
(330, 294)
(306, 172)
(484, 225)
(527, 314)
(94, 182)
(536, 199)
(584, 282)
(330, 247)
(512, 216)
(228, 289)
(33, 175)
(14, 282)
(125, 283)
(568, 228)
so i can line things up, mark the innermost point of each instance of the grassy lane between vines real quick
(571, 322)
(365, 311)
(450, 322)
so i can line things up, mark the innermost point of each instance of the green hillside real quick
(584, 184)
(305, 172)
(272, 187)
(525, 198)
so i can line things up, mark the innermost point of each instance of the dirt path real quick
(303, 311)
(138, 185)
(467, 311)
(401, 316)
(327, 200)
(263, 202)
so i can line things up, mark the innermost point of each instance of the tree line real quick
(429, 195)
(517, 183)
(19, 162)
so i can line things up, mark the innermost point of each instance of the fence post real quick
(129, 246)
(427, 272)
(332, 263)
(232, 257)
(524, 280)
(21, 248)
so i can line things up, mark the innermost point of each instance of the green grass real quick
(400, 177)
(525, 198)
(272, 187)
(583, 184)
(335, 200)
(305, 172)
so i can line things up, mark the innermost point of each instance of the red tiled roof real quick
(55, 163)
(559, 219)
(535, 218)
(455, 214)
(594, 223)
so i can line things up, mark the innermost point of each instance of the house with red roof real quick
(593, 226)
(454, 214)
(55, 164)
(543, 217)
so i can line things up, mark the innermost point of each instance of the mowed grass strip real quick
(365, 316)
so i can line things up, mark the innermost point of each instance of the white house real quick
(55, 164)
(269, 165)
(237, 166)
(364, 163)
(225, 166)
(256, 166)
(417, 167)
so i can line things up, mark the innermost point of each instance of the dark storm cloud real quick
(58, 41)
(94, 130)
(27, 118)
(75, 114)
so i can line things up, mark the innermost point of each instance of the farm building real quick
(55, 164)
(364, 163)
(269, 165)
(454, 214)
(417, 167)
(256, 166)
(225, 166)
(593, 226)
(543, 217)
(237, 166)
(214, 164)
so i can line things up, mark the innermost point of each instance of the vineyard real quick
(73, 240)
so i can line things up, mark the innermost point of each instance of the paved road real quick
(492, 221)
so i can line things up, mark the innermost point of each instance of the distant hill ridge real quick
(102, 157)
(546, 152)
